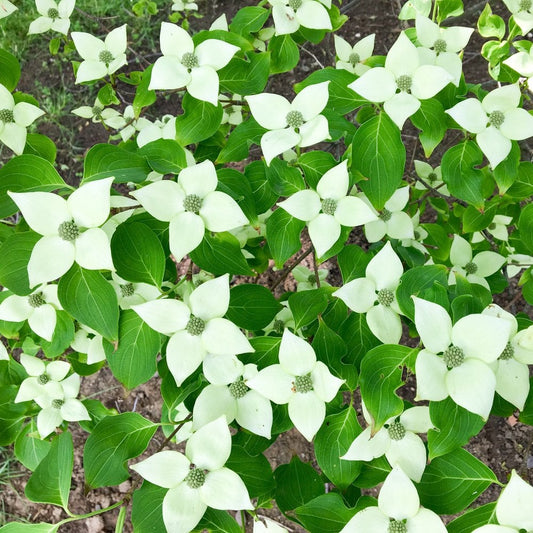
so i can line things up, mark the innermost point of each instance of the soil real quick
(503, 444)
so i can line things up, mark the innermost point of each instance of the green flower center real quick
(97, 112)
(432, 177)
(496, 118)
(303, 384)
(6, 116)
(471, 268)
(525, 5)
(440, 46)
(278, 325)
(195, 478)
(385, 215)
(57, 404)
(36, 300)
(396, 431)
(295, 119)
(507, 353)
(68, 231)
(127, 290)
(354, 59)
(53, 13)
(295, 4)
(192, 203)
(195, 326)
(404, 83)
(416, 233)
(189, 60)
(453, 357)
(397, 527)
(311, 279)
(492, 226)
(43, 379)
(106, 57)
(329, 206)
(385, 297)
(238, 389)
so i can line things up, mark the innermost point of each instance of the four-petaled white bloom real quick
(522, 11)
(522, 62)
(129, 293)
(513, 508)
(98, 113)
(299, 380)
(496, 120)
(397, 440)
(14, 119)
(291, 124)
(100, 57)
(398, 510)
(181, 5)
(54, 16)
(306, 278)
(441, 45)
(328, 208)
(468, 348)
(196, 480)
(474, 268)
(184, 65)
(229, 395)
(391, 221)
(352, 58)
(517, 262)
(402, 82)
(289, 15)
(195, 329)
(191, 205)
(39, 309)
(70, 230)
(92, 345)
(431, 176)
(383, 274)
(160, 129)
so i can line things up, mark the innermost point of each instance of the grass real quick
(9, 470)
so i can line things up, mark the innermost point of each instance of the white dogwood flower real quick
(129, 293)
(398, 510)
(468, 348)
(402, 82)
(299, 380)
(160, 129)
(54, 16)
(89, 342)
(513, 508)
(306, 278)
(291, 124)
(383, 274)
(191, 206)
(196, 328)
(184, 65)
(352, 58)
(431, 176)
(99, 113)
(522, 11)
(39, 309)
(397, 440)
(100, 58)
(496, 120)
(289, 15)
(328, 208)
(14, 119)
(413, 8)
(522, 62)
(181, 5)
(196, 480)
(70, 230)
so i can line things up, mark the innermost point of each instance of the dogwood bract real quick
(54, 16)
(91, 346)
(496, 120)
(184, 65)
(352, 58)
(431, 176)
(522, 62)
(99, 113)
(70, 230)
(196, 480)
(328, 208)
(291, 124)
(299, 380)
(289, 15)
(522, 11)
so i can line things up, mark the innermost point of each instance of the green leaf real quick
(523, 185)
(473, 220)
(431, 120)
(284, 179)
(147, 508)
(106, 160)
(41, 146)
(378, 158)
(325, 514)
(30, 450)
(218, 522)
(143, 96)
(297, 483)
(449, 8)
(525, 226)
(114, 440)
(439, 240)
(62, 337)
(255, 471)
(252, 306)
(284, 54)
(266, 352)
(358, 338)
(249, 19)
(50, 483)
(506, 172)
(138, 254)
(452, 482)
(220, 253)
(380, 377)
(9, 70)
(15, 253)
(283, 235)
(490, 25)
(199, 121)
(135, 360)
(233, 183)
(26, 173)
(90, 299)
(263, 195)
(353, 261)
(245, 77)
(471, 520)
(107, 95)
(307, 305)
(454, 427)
(165, 156)
(315, 164)
(332, 441)
(14, 527)
(239, 141)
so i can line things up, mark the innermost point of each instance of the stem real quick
(74, 517)
(283, 277)
(315, 268)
